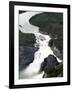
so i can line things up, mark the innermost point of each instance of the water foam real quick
(42, 40)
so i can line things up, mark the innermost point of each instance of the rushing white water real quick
(32, 71)
(24, 22)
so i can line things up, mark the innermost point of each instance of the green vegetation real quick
(44, 19)
(57, 72)
(26, 39)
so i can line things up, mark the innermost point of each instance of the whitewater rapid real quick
(42, 40)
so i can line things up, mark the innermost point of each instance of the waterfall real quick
(42, 40)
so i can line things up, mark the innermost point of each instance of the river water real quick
(42, 40)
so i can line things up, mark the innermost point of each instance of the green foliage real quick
(26, 39)
(46, 18)
(58, 71)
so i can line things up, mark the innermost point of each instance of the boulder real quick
(57, 72)
(51, 67)
(49, 64)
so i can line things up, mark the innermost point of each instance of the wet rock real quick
(26, 39)
(26, 56)
(49, 64)
(51, 67)
(41, 38)
(57, 72)
(58, 51)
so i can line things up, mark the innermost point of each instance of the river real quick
(42, 40)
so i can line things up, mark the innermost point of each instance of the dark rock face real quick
(56, 50)
(51, 67)
(56, 72)
(26, 56)
(49, 64)
(26, 39)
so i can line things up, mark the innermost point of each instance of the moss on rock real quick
(26, 39)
